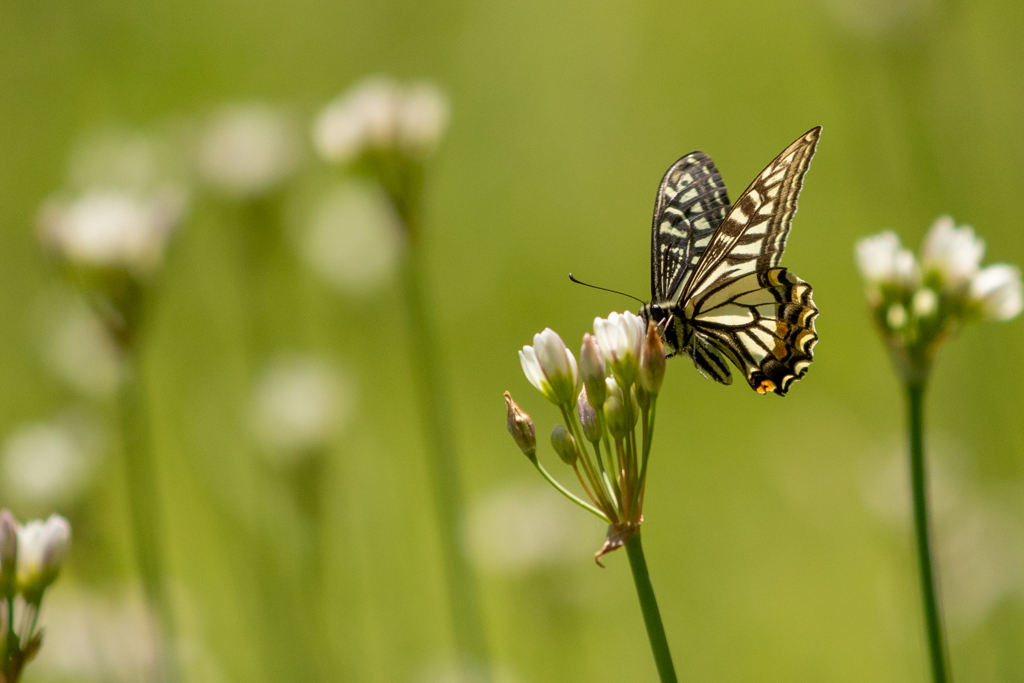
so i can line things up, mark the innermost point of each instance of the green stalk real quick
(649, 607)
(566, 492)
(143, 501)
(432, 395)
(922, 530)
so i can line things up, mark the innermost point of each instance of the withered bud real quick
(652, 361)
(520, 426)
(564, 444)
(588, 418)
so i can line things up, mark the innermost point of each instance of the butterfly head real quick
(665, 321)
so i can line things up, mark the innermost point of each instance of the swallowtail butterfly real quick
(717, 289)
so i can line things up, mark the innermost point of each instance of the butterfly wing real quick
(692, 201)
(758, 315)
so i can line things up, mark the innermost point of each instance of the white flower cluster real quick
(621, 369)
(378, 114)
(248, 150)
(917, 302)
(949, 268)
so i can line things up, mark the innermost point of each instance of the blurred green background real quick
(777, 530)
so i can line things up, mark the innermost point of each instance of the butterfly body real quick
(718, 293)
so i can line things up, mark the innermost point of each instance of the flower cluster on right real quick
(918, 302)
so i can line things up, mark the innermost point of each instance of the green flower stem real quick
(649, 607)
(143, 500)
(600, 492)
(566, 492)
(442, 462)
(648, 427)
(922, 530)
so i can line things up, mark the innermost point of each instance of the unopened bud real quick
(593, 371)
(588, 418)
(564, 444)
(8, 554)
(652, 361)
(520, 426)
(619, 415)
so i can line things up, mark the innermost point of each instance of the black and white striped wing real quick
(691, 203)
(758, 315)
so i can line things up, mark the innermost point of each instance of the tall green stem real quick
(922, 531)
(432, 395)
(649, 607)
(146, 521)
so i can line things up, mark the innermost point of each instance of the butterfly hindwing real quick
(764, 324)
(692, 201)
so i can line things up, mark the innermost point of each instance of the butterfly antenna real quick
(605, 289)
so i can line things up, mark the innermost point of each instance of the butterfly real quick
(717, 291)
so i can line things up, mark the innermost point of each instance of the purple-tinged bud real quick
(8, 554)
(593, 370)
(588, 418)
(652, 361)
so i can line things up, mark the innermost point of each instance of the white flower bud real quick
(619, 337)
(564, 444)
(593, 371)
(366, 116)
(925, 302)
(896, 316)
(41, 550)
(882, 261)
(423, 118)
(551, 368)
(997, 289)
(953, 254)
(248, 149)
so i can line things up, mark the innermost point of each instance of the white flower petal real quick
(998, 290)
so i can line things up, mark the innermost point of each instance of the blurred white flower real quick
(49, 463)
(352, 237)
(424, 117)
(620, 336)
(299, 404)
(378, 113)
(882, 260)
(248, 149)
(551, 368)
(997, 290)
(79, 348)
(41, 550)
(111, 228)
(953, 254)
(520, 528)
(925, 302)
(896, 316)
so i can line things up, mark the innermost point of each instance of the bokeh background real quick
(777, 530)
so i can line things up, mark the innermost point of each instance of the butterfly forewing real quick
(692, 202)
(736, 301)
(753, 235)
